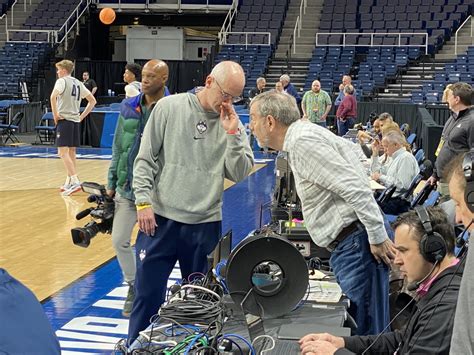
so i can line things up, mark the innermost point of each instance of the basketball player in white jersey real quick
(65, 103)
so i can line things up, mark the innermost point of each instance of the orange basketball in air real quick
(107, 15)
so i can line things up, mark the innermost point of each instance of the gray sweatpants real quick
(125, 219)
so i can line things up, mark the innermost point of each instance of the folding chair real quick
(46, 130)
(8, 130)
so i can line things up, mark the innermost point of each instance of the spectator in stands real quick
(89, 83)
(24, 327)
(289, 88)
(399, 173)
(339, 208)
(347, 111)
(429, 328)
(463, 333)
(261, 82)
(279, 87)
(458, 132)
(65, 104)
(346, 80)
(189, 145)
(134, 113)
(316, 104)
(132, 77)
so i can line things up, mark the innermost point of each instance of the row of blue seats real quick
(243, 48)
(276, 9)
(328, 63)
(410, 16)
(393, 26)
(407, 2)
(461, 69)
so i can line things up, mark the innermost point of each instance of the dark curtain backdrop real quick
(440, 113)
(183, 75)
(105, 73)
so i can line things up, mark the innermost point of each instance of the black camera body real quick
(104, 212)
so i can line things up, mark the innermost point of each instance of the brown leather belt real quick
(346, 231)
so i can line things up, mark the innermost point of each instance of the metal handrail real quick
(296, 29)
(372, 35)
(225, 34)
(302, 11)
(456, 34)
(6, 22)
(76, 21)
(30, 31)
(11, 10)
(227, 25)
(53, 35)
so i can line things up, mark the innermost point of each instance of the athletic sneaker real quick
(128, 305)
(72, 188)
(64, 187)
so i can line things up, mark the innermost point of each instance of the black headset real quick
(468, 169)
(432, 244)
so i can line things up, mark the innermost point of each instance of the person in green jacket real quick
(134, 113)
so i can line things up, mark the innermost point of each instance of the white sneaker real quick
(72, 188)
(64, 187)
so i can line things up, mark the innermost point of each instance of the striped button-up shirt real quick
(332, 184)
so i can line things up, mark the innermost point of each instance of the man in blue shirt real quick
(289, 88)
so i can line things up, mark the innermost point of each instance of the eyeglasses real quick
(226, 96)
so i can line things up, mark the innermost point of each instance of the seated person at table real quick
(436, 277)
(399, 173)
(384, 122)
(376, 132)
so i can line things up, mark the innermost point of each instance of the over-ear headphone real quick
(432, 244)
(468, 169)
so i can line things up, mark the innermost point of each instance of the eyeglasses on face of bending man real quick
(226, 96)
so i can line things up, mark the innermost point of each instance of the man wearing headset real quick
(425, 242)
(460, 175)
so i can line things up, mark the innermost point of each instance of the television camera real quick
(104, 211)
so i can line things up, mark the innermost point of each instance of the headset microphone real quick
(461, 242)
(414, 285)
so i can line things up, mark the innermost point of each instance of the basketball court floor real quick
(81, 288)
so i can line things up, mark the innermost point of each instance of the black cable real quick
(388, 325)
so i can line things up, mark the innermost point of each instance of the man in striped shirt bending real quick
(339, 209)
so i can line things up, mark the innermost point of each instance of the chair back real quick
(386, 194)
(411, 138)
(414, 183)
(423, 195)
(420, 156)
(16, 120)
(432, 199)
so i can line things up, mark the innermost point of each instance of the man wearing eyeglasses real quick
(191, 142)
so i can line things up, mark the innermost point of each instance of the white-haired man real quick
(289, 88)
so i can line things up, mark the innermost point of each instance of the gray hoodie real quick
(184, 156)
